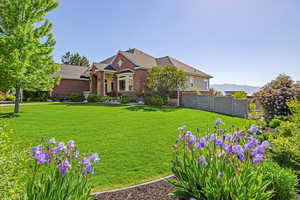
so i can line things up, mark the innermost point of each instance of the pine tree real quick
(26, 46)
(74, 59)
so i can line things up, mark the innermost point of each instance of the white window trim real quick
(127, 77)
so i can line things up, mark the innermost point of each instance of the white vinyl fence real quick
(224, 105)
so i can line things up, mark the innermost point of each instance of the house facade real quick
(124, 74)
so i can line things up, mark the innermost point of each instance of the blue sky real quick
(236, 41)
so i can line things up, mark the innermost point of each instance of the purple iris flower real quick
(36, 148)
(211, 137)
(53, 151)
(219, 142)
(241, 156)
(179, 137)
(218, 122)
(88, 169)
(41, 157)
(220, 175)
(61, 147)
(64, 166)
(52, 141)
(228, 137)
(202, 160)
(227, 148)
(76, 154)
(258, 158)
(95, 158)
(258, 150)
(265, 144)
(248, 146)
(197, 145)
(182, 128)
(71, 143)
(192, 140)
(238, 149)
(253, 129)
(86, 161)
(202, 142)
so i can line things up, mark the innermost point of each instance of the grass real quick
(135, 143)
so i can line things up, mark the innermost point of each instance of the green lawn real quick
(134, 143)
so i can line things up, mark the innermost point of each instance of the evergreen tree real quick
(74, 59)
(26, 46)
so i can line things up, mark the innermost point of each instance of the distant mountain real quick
(234, 87)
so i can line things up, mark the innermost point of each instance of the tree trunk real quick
(17, 101)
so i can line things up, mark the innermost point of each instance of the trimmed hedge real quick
(76, 97)
(154, 100)
(92, 98)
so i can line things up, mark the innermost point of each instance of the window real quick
(206, 84)
(125, 82)
(122, 85)
(130, 84)
(120, 63)
(191, 81)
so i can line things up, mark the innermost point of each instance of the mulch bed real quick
(153, 191)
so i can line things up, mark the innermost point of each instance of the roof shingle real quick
(141, 59)
(71, 72)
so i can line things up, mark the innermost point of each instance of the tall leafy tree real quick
(274, 96)
(26, 46)
(163, 79)
(74, 59)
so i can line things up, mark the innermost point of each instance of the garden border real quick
(134, 186)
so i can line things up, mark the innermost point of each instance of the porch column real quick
(100, 83)
(103, 78)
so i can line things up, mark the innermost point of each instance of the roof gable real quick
(144, 60)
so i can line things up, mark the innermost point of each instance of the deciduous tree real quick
(26, 46)
(274, 96)
(163, 79)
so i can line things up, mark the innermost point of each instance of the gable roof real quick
(71, 72)
(144, 60)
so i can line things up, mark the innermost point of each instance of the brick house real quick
(123, 73)
(72, 81)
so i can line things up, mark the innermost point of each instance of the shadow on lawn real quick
(8, 115)
(152, 109)
(88, 104)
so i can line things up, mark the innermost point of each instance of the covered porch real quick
(110, 82)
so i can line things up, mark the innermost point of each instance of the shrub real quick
(12, 170)
(294, 106)
(274, 123)
(96, 98)
(59, 171)
(154, 100)
(10, 97)
(274, 96)
(220, 166)
(282, 181)
(286, 144)
(76, 97)
(36, 96)
(286, 150)
(124, 100)
(240, 95)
